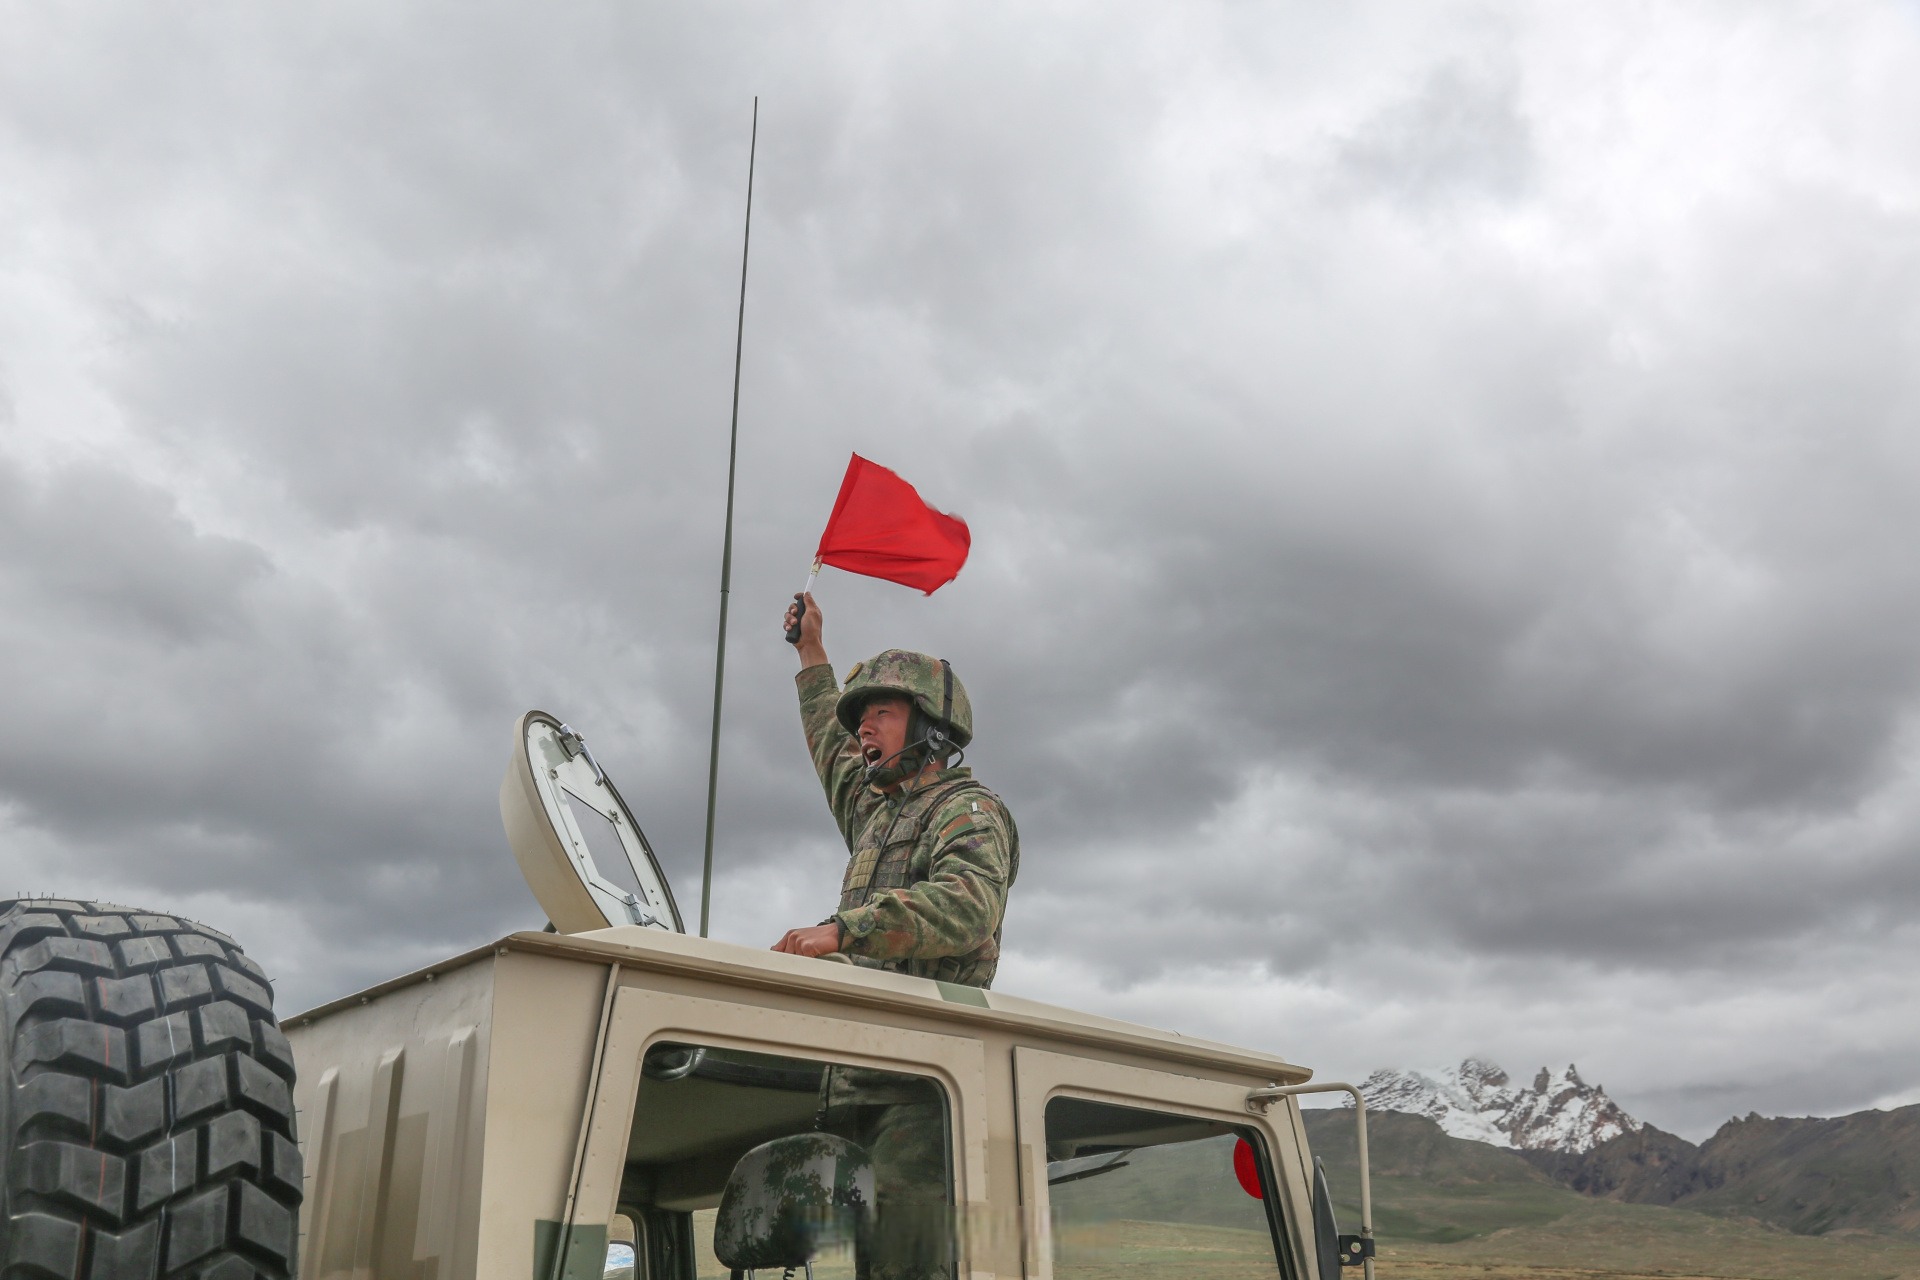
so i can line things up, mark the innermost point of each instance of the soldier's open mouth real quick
(872, 754)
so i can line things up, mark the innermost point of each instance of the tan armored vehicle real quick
(621, 1100)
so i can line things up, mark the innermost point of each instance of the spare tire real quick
(147, 1102)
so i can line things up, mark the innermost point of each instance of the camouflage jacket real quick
(930, 902)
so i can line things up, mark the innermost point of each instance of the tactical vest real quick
(883, 861)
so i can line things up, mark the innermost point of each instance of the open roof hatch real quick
(585, 858)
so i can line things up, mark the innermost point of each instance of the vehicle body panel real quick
(453, 1119)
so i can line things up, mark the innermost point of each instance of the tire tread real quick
(147, 1101)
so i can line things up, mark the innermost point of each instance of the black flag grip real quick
(793, 632)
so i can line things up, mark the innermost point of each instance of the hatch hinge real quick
(575, 745)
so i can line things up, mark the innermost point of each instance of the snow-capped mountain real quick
(1559, 1112)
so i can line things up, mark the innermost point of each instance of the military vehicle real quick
(612, 1099)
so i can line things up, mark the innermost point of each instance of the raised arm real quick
(836, 756)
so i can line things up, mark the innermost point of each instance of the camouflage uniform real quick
(901, 1123)
(924, 893)
(929, 903)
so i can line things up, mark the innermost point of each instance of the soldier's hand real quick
(812, 652)
(814, 940)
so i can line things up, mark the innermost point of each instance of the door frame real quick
(1041, 1075)
(641, 1018)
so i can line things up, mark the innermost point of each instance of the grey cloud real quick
(1462, 134)
(119, 555)
(1356, 577)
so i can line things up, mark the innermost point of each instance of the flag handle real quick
(793, 632)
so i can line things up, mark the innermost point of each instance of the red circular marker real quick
(1246, 1167)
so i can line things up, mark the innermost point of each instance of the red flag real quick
(881, 528)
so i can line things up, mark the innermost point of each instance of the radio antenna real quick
(726, 554)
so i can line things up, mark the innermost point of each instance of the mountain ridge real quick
(1811, 1176)
(1478, 1101)
(1453, 1209)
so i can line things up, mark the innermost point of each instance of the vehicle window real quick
(619, 1248)
(703, 1122)
(1139, 1193)
(603, 845)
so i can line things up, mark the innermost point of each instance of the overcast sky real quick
(1444, 481)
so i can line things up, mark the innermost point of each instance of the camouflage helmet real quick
(929, 683)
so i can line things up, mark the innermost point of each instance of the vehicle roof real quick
(661, 951)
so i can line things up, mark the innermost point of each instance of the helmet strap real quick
(935, 735)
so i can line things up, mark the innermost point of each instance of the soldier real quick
(932, 854)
